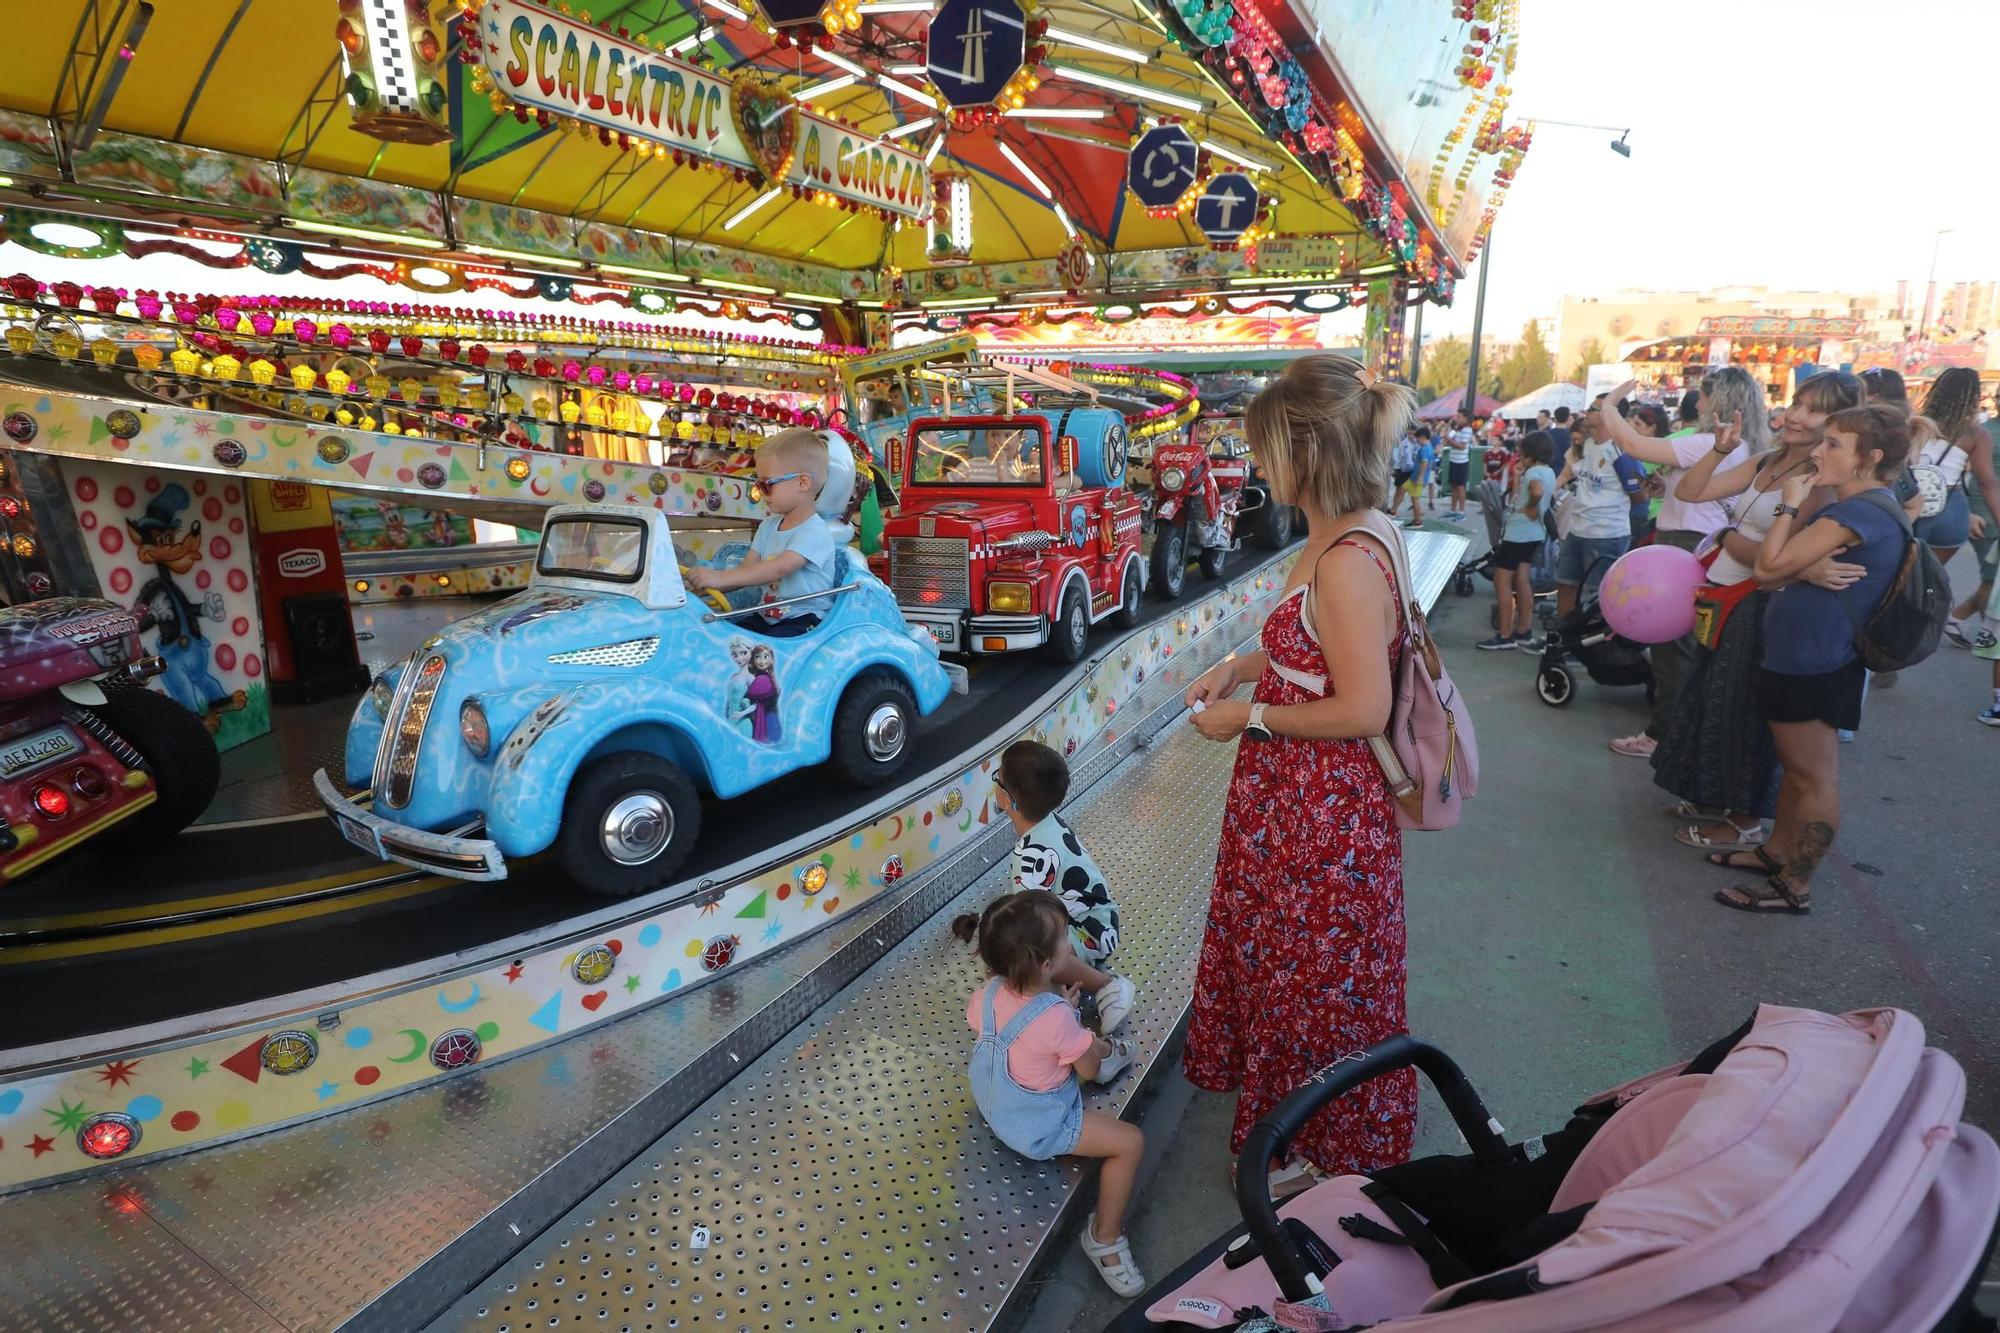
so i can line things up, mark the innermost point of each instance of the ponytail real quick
(1018, 934)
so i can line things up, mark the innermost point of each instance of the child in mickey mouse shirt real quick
(1031, 784)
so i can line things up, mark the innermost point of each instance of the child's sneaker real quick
(1990, 715)
(1115, 1062)
(1114, 1002)
(1113, 1261)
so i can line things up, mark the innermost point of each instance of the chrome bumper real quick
(441, 853)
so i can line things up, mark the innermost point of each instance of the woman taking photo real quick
(1303, 956)
(1943, 463)
(1810, 684)
(1717, 754)
(1521, 541)
(1731, 395)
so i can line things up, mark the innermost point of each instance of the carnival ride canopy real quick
(241, 111)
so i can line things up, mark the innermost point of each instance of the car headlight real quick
(1014, 597)
(1173, 479)
(380, 694)
(472, 727)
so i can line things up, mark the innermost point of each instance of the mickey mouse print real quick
(1050, 856)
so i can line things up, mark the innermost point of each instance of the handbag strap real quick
(1398, 778)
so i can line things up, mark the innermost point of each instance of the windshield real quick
(611, 549)
(979, 456)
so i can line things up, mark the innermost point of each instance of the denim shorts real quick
(1583, 561)
(1951, 525)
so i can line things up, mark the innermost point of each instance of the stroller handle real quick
(1272, 1135)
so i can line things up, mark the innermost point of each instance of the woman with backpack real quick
(1810, 682)
(1304, 952)
(1941, 465)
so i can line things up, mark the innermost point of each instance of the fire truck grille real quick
(930, 572)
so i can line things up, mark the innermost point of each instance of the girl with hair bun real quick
(1304, 953)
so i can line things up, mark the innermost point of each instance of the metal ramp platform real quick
(809, 1109)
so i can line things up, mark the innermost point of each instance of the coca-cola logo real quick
(302, 563)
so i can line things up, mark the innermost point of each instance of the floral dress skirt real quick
(1304, 954)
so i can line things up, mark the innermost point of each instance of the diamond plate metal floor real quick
(845, 1178)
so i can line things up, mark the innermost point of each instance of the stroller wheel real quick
(1461, 583)
(1555, 686)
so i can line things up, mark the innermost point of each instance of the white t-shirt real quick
(1460, 441)
(1599, 507)
(1678, 515)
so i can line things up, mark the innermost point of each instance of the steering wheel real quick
(715, 600)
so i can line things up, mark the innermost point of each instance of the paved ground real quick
(1561, 941)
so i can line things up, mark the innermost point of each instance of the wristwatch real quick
(1255, 729)
(1784, 509)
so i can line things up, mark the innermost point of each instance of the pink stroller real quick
(1806, 1172)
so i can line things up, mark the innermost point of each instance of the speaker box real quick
(325, 660)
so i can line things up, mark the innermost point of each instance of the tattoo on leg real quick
(1813, 841)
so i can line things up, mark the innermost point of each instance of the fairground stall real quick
(395, 837)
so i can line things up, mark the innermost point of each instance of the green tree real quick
(1591, 352)
(1524, 369)
(1445, 364)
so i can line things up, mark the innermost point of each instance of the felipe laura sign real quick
(540, 59)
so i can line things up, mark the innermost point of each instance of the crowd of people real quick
(1804, 517)
(1747, 710)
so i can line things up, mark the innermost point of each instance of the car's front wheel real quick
(629, 822)
(1069, 632)
(180, 754)
(873, 730)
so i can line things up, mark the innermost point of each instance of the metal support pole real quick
(1478, 320)
(1417, 347)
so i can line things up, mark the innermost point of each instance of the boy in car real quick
(793, 552)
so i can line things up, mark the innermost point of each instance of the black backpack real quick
(1906, 627)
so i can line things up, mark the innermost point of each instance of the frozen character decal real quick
(736, 709)
(170, 550)
(546, 715)
(762, 692)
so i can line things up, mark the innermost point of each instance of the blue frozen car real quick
(585, 714)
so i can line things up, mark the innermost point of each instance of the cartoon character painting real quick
(395, 528)
(762, 692)
(1079, 527)
(170, 550)
(736, 707)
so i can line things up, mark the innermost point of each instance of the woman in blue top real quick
(1521, 541)
(1811, 679)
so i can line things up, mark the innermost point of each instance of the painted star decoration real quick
(196, 1067)
(117, 1072)
(70, 1118)
(632, 982)
(41, 1145)
(513, 974)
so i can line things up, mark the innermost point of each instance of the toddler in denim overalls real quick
(1025, 1064)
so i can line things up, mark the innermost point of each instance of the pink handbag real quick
(1429, 754)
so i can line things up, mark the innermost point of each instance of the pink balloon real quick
(1648, 594)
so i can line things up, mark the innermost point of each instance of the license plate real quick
(37, 750)
(361, 836)
(945, 634)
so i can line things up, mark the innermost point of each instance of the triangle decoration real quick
(248, 1062)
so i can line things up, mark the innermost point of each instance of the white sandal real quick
(1746, 838)
(1122, 1275)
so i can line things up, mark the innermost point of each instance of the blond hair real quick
(799, 450)
(1324, 430)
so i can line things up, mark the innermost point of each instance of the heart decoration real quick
(594, 1001)
(767, 119)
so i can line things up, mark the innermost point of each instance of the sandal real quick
(1285, 1181)
(1773, 895)
(1113, 1261)
(1690, 810)
(1746, 838)
(1761, 860)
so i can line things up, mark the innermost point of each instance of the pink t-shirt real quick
(1041, 1056)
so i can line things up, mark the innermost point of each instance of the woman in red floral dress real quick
(1303, 958)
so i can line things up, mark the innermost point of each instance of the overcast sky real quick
(1808, 144)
